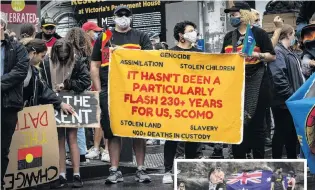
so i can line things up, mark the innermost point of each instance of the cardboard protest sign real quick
(302, 108)
(34, 152)
(86, 106)
(186, 96)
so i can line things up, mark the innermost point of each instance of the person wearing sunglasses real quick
(48, 27)
(124, 36)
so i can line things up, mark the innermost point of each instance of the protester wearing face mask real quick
(185, 34)
(257, 18)
(92, 30)
(63, 71)
(123, 37)
(256, 99)
(287, 77)
(48, 33)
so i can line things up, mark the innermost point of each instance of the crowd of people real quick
(36, 66)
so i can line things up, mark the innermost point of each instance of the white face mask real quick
(190, 36)
(123, 22)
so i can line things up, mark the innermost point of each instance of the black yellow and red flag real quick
(30, 157)
(106, 36)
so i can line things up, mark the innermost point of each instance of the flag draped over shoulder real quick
(249, 41)
(256, 180)
(302, 108)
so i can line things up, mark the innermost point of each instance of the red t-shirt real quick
(51, 42)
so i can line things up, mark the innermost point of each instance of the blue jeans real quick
(81, 141)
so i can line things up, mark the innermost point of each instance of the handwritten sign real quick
(34, 152)
(184, 96)
(87, 111)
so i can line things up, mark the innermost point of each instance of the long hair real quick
(62, 45)
(80, 41)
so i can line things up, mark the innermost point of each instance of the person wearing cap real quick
(123, 36)
(154, 37)
(48, 33)
(256, 100)
(14, 68)
(92, 30)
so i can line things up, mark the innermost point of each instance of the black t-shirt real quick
(176, 48)
(263, 44)
(277, 179)
(133, 39)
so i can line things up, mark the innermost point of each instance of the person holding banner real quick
(14, 66)
(259, 51)
(287, 78)
(185, 33)
(63, 71)
(123, 36)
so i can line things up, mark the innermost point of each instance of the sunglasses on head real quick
(49, 27)
(123, 13)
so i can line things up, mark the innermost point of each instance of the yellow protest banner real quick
(34, 151)
(185, 96)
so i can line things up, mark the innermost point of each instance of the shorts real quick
(105, 121)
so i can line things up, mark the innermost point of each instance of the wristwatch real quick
(261, 56)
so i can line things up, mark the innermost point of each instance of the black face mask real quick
(48, 36)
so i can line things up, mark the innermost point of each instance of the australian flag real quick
(256, 180)
(249, 42)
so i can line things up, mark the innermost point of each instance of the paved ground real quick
(128, 184)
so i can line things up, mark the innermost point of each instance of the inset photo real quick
(209, 174)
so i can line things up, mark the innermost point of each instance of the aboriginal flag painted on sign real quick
(30, 157)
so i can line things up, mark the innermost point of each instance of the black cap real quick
(47, 22)
(122, 7)
(153, 35)
(238, 5)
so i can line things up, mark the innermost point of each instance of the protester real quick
(287, 77)
(14, 68)
(48, 27)
(291, 180)
(255, 98)
(92, 30)
(257, 18)
(27, 31)
(36, 91)
(82, 50)
(63, 71)
(123, 37)
(154, 38)
(181, 186)
(216, 179)
(277, 180)
(308, 61)
(185, 34)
